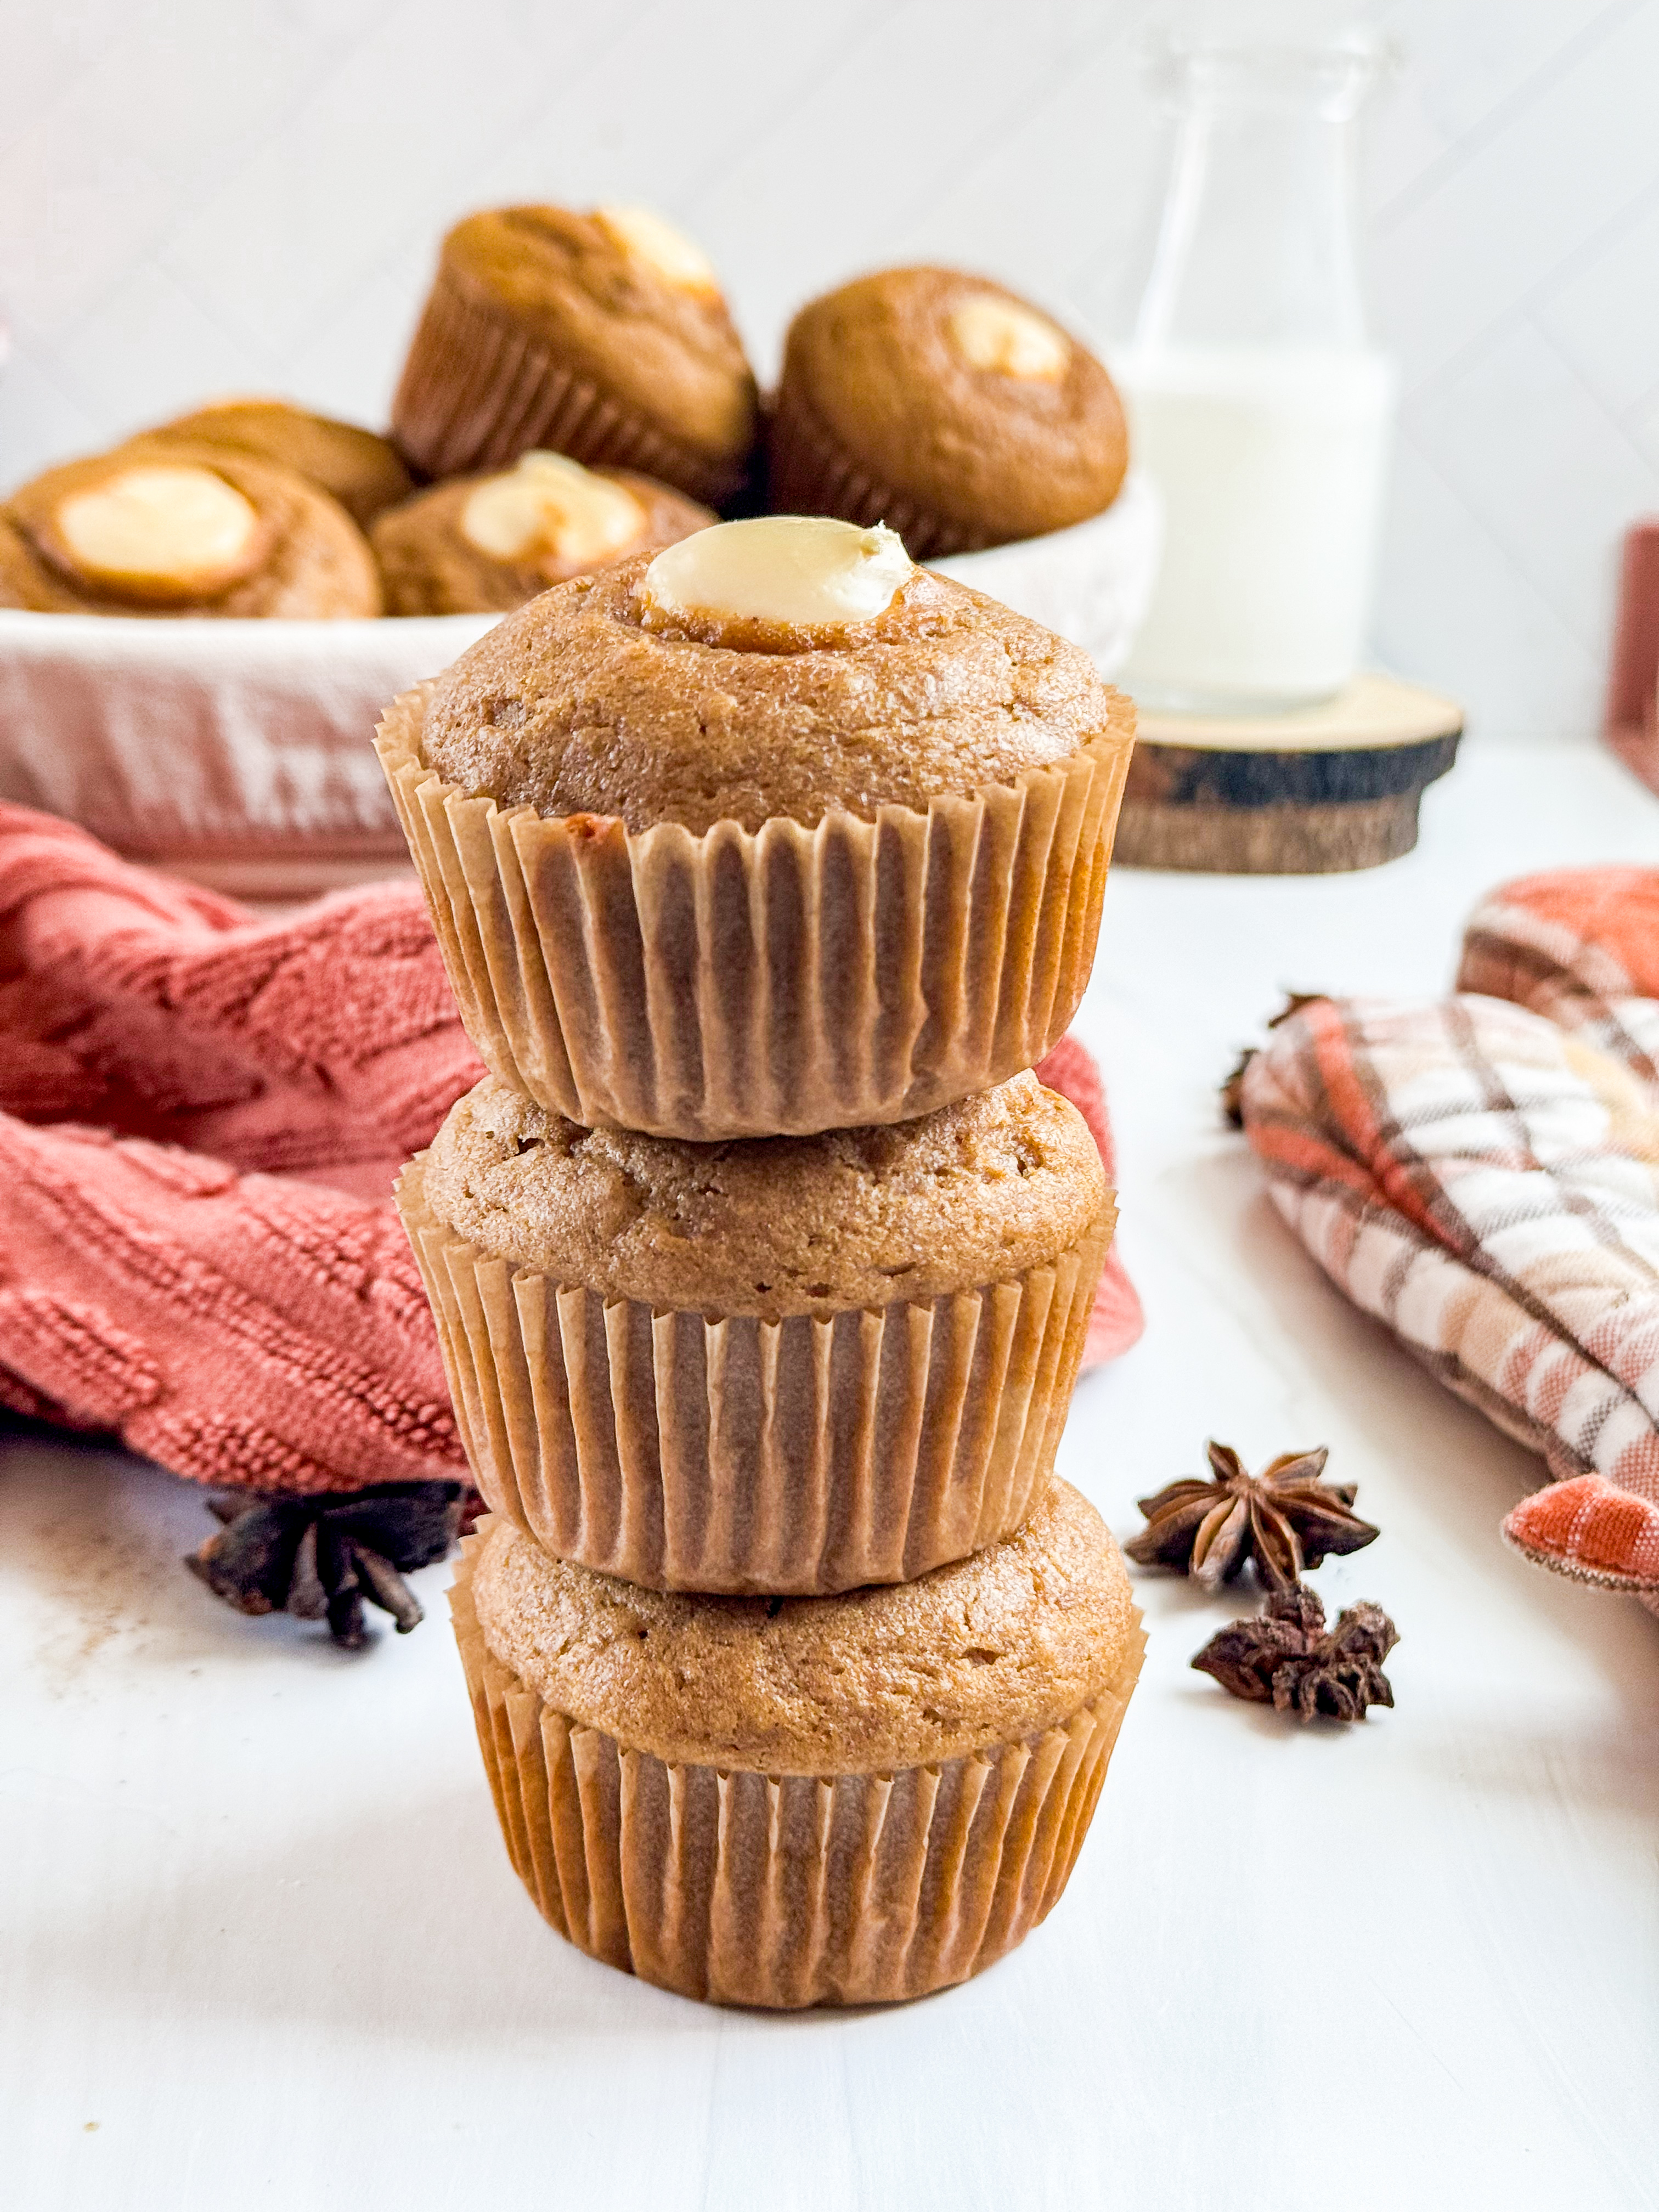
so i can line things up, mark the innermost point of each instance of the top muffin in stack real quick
(772, 833)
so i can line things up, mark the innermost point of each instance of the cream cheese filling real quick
(168, 528)
(799, 571)
(646, 237)
(550, 508)
(992, 333)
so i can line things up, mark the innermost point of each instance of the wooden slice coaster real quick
(1326, 787)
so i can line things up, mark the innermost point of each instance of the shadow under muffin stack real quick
(764, 870)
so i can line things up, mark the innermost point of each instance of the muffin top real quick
(483, 545)
(624, 300)
(353, 465)
(610, 696)
(991, 1649)
(959, 395)
(178, 528)
(975, 1192)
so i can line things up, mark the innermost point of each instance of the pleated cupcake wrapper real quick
(744, 1888)
(791, 1456)
(478, 390)
(787, 980)
(813, 473)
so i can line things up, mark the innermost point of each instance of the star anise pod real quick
(322, 1557)
(1288, 1659)
(1232, 1090)
(1285, 1519)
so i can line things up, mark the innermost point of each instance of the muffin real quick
(182, 530)
(769, 833)
(945, 407)
(801, 1801)
(355, 466)
(786, 1364)
(485, 544)
(603, 336)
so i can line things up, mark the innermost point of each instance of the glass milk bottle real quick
(1256, 403)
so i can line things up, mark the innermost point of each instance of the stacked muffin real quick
(765, 869)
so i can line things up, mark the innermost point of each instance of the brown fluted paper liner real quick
(478, 390)
(750, 1889)
(791, 1457)
(813, 473)
(777, 983)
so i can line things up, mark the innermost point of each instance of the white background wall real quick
(245, 194)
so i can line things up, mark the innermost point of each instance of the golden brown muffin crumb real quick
(572, 706)
(896, 403)
(974, 1193)
(637, 364)
(991, 1649)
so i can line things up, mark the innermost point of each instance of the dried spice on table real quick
(1232, 1090)
(321, 1558)
(1287, 1657)
(1285, 1518)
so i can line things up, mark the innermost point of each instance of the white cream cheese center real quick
(807, 572)
(550, 508)
(646, 237)
(992, 333)
(170, 524)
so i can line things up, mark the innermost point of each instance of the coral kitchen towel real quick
(201, 1113)
(1116, 1323)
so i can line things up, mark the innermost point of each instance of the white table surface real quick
(260, 1943)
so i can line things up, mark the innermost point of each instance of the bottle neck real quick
(1257, 245)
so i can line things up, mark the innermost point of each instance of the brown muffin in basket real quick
(772, 833)
(354, 465)
(603, 336)
(485, 544)
(789, 1364)
(802, 1802)
(947, 407)
(158, 530)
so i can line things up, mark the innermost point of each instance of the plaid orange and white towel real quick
(1482, 1174)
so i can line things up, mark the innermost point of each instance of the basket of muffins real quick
(576, 395)
(765, 866)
